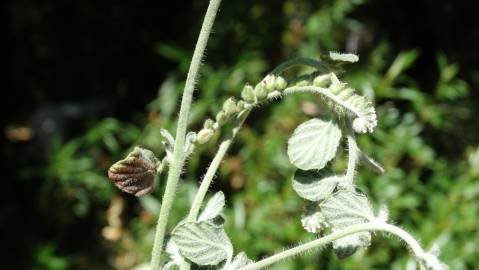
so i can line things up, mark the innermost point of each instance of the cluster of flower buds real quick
(205, 134)
(270, 85)
(230, 109)
(250, 95)
(323, 80)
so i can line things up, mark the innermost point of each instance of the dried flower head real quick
(136, 173)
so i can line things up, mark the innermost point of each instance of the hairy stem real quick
(353, 156)
(178, 153)
(322, 91)
(210, 173)
(371, 226)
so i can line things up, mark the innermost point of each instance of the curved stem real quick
(210, 173)
(297, 62)
(371, 226)
(322, 91)
(178, 153)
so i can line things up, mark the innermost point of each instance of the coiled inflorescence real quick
(363, 111)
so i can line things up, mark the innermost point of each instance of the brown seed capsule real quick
(136, 173)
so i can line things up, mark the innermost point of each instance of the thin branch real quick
(210, 173)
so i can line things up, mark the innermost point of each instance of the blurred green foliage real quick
(430, 183)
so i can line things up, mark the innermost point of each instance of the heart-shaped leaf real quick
(346, 208)
(313, 144)
(203, 242)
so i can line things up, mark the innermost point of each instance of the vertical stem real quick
(178, 153)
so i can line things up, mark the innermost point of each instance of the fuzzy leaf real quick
(238, 262)
(343, 209)
(347, 246)
(169, 139)
(214, 207)
(346, 208)
(203, 242)
(176, 259)
(313, 185)
(343, 57)
(313, 144)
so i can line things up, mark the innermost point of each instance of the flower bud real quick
(269, 83)
(335, 88)
(248, 93)
(204, 135)
(136, 173)
(322, 81)
(302, 83)
(260, 91)
(240, 106)
(346, 93)
(221, 118)
(229, 107)
(280, 83)
(208, 124)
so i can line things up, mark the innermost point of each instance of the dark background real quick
(70, 64)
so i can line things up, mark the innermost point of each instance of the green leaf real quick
(314, 185)
(402, 62)
(203, 243)
(346, 208)
(239, 261)
(347, 246)
(313, 144)
(214, 207)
